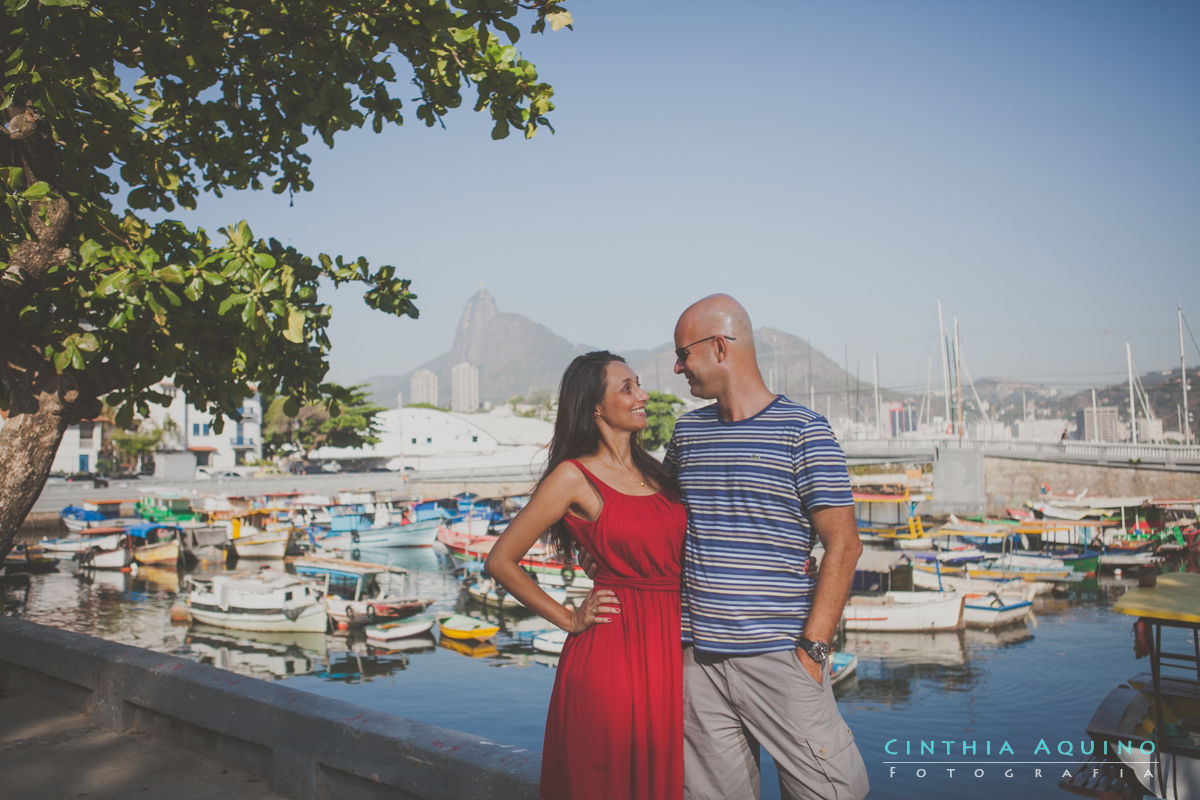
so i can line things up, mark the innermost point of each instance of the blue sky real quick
(836, 166)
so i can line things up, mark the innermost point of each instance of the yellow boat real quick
(460, 626)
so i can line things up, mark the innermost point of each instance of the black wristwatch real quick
(817, 651)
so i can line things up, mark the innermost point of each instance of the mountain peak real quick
(479, 311)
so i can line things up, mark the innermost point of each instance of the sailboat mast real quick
(878, 409)
(958, 378)
(945, 361)
(1132, 408)
(1187, 424)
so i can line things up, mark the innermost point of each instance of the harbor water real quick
(950, 715)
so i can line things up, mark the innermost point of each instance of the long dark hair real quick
(576, 433)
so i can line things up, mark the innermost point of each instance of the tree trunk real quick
(29, 439)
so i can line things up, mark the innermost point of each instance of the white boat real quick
(1142, 560)
(360, 593)
(117, 557)
(996, 609)
(550, 641)
(904, 611)
(263, 533)
(492, 595)
(94, 514)
(268, 600)
(388, 632)
(414, 534)
(883, 598)
(960, 581)
(105, 538)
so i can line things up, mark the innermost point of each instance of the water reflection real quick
(945, 648)
(258, 654)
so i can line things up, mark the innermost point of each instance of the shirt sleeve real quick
(671, 459)
(820, 467)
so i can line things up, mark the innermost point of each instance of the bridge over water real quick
(1108, 454)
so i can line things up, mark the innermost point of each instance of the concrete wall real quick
(958, 482)
(1012, 481)
(303, 745)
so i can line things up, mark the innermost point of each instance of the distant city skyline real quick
(838, 169)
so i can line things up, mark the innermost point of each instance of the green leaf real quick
(125, 415)
(62, 359)
(171, 274)
(37, 191)
(90, 250)
(229, 302)
(264, 261)
(295, 326)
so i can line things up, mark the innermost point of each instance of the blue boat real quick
(415, 534)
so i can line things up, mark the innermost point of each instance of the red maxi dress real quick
(615, 725)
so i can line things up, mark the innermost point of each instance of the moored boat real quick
(996, 609)
(156, 543)
(414, 534)
(490, 594)
(550, 641)
(268, 600)
(462, 626)
(842, 665)
(361, 593)
(904, 611)
(1146, 732)
(385, 634)
(264, 533)
(28, 558)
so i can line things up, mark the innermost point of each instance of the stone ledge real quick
(306, 746)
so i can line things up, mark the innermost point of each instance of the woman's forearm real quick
(517, 582)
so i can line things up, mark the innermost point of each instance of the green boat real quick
(165, 506)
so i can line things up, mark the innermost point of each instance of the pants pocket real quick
(836, 758)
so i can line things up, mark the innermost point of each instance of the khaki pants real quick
(731, 704)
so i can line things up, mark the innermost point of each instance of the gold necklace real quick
(628, 474)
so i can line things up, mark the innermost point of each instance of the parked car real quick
(98, 481)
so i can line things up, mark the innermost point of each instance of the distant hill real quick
(517, 357)
(1011, 400)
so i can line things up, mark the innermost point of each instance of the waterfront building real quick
(902, 417)
(425, 439)
(81, 446)
(464, 388)
(1042, 430)
(423, 388)
(1101, 424)
(188, 430)
(1149, 430)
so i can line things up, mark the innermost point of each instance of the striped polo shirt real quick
(749, 486)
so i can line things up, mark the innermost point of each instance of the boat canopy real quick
(1174, 597)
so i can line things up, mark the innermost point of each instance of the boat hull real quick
(905, 611)
(995, 610)
(311, 620)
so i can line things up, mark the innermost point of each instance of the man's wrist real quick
(816, 650)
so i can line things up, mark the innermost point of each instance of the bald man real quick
(763, 479)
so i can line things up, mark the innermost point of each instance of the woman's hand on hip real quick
(595, 609)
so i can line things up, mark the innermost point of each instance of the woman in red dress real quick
(615, 724)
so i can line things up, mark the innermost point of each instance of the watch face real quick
(817, 651)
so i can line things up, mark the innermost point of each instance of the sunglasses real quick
(681, 353)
